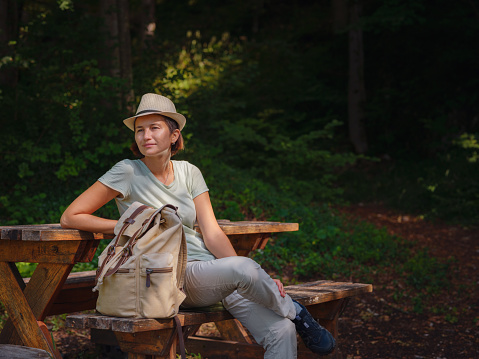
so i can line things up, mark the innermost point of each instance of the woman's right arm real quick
(79, 214)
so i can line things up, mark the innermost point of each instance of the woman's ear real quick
(175, 135)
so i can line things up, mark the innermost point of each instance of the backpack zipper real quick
(155, 270)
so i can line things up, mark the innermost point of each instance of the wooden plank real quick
(47, 232)
(325, 291)
(17, 275)
(74, 300)
(19, 311)
(248, 227)
(307, 293)
(233, 330)
(46, 281)
(9, 351)
(52, 252)
(78, 321)
(186, 318)
(244, 243)
(86, 252)
(76, 294)
(136, 325)
(100, 322)
(54, 232)
(146, 343)
(75, 280)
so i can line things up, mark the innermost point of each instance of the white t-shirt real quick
(134, 180)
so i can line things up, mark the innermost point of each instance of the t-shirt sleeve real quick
(119, 178)
(197, 183)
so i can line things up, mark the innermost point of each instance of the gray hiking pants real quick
(250, 295)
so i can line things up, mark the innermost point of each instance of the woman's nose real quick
(147, 133)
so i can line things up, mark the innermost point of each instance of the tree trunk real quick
(356, 88)
(126, 70)
(9, 20)
(147, 20)
(117, 60)
(339, 15)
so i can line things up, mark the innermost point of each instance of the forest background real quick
(293, 108)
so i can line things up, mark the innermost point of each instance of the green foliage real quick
(26, 269)
(327, 246)
(445, 187)
(427, 272)
(63, 134)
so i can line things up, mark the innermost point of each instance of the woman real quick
(214, 271)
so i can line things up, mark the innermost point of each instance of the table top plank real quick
(249, 227)
(47, 232)
(54, 232)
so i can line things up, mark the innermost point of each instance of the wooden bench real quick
(145, 338)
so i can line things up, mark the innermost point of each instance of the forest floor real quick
(377, 325)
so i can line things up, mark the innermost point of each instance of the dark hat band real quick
(145, 111)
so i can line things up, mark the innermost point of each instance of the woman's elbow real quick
(64, 220)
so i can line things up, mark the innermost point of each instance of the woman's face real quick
(153, 136)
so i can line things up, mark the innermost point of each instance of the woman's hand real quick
(280, 287)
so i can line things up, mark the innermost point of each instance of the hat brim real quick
(178, 117)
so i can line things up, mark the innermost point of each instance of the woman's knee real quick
(245, 269)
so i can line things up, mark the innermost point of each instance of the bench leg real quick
(233, 330)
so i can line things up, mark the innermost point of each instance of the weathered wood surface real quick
(136, 325)
(47, 232)
(76, 294)
(38, 296)
(9, 351)
(325, 291)
(27, 304)
(325, 301)
(308, 294)
(232, 330)
(19, 311)
(54, 232)
(48, 251)
(248, 227)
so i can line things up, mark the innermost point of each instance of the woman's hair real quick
(175, 147)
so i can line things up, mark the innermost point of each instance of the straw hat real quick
(153, 103)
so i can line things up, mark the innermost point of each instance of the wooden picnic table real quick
(57, 250)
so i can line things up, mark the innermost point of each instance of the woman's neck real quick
(161, 168)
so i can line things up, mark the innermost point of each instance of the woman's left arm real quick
(215, 239)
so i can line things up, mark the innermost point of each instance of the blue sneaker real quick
(315, 337)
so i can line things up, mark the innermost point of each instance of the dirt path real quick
(375, 325)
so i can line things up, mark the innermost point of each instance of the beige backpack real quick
(141, 272)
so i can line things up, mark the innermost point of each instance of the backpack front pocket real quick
(117, 294)
(157, 285)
